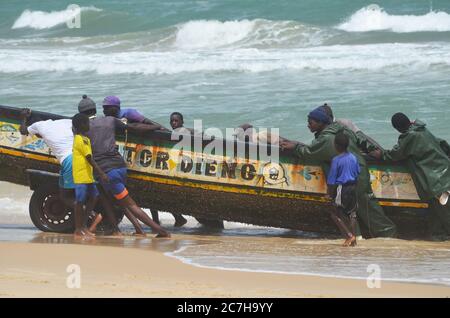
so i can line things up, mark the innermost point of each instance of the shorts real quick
(345, 198)
(85, 190)
(117, 183)
(65, 175)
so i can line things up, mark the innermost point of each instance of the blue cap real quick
(319, 115)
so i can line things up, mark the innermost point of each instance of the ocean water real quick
(230, 62)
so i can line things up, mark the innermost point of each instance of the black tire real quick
(48, 213)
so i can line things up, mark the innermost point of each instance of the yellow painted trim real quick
(416, 205)
(214, 187)
(28, 155)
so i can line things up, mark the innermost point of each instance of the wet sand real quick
(39, 270)
(33, 264)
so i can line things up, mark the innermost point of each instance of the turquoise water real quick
(229, 62)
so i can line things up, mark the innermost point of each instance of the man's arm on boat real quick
(140, 118)
(400, 151)
(25, 114)
(135, 116)
(140, 129)
(136, 128)
(318, 150)
(148, 121)
(364, 142)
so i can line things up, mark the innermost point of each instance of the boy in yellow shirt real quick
(86, 193)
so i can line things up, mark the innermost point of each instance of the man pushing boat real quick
(428, 159)
(59, 137)
(369, 212)
(102, 135)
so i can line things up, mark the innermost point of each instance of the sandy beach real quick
(39, 270)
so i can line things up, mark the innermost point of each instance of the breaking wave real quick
(375, 18)
(45, 20)
(200, 34)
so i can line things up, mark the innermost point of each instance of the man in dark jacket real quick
(428, 160)
(322, 150)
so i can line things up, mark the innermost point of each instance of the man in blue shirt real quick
(341, 181)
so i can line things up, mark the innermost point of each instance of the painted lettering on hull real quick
(166, 161)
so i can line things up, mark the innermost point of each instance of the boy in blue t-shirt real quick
(342, 180)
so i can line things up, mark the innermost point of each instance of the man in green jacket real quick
(428, 159)
(322, 151)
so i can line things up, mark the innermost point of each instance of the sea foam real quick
(375, 18)
(412, 57)
(259, 33)
(45, 20)
(199, 34)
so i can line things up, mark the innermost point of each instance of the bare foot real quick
(117, 233)
(351, 241)
(98, 218)
(139, 234)
(88, 233)
(78, 235)
(163, 235)
(81, 235)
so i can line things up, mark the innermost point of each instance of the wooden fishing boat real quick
(286, 194)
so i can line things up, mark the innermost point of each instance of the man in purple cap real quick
(111, 107)
(103, 140)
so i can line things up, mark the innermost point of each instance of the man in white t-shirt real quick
(58, 135)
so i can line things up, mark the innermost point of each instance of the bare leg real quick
(109, 212)
(79, 222)
(135, 222)
(353, 225)
(341, 229)
(341, 225)
(89, 209)
(129, 203)
(98, 218)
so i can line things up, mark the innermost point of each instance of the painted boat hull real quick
(240, 189)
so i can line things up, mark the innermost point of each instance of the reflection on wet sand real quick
(163, 245)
